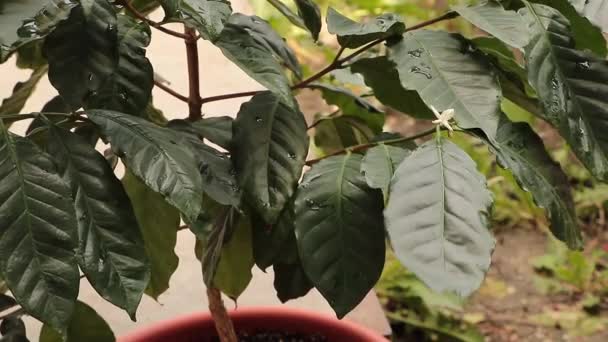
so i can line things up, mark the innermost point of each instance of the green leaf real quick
(21, 92)
(503, 56)
(585, 34)
(269, 150)
(233, 272)
(290, 281)
(572, 87)
(156, 156)
(339, 231)
(353, 35)
(37, 232)
(217, 171)
(86, 325)
(446, 74)
(381, 75)
(159, 223)
(351, 104)
(55, 105)
(129, 88)
(594, 10)
(111, 249)
(264, 35)
(255, 59)
(271, 242)
(491, 17)
(288, 13)
(144, 6)
(311, 15)
(213, 234)
(29, 56)
(336, 133)
(13, 330)
(379, 165)
(22, 21)
(83, 51)
(218, 130)
(437, 218)
(207, 16)
(521, 151)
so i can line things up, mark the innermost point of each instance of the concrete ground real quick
(187, 292)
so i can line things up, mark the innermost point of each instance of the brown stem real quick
(223, 323)
(335, 64)
(194, 98)
(170, 91)
(152, 23)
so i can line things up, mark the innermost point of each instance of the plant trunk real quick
(223, 323)
(194, 98)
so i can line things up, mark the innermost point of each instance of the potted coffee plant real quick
(254, 197)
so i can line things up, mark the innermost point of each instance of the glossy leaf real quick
(269, 149)
(159, 224)
(503, 24)
(437, 218)
(352, 34)
(111, 249)
(156, 156)
(233, 272)
(22, 21)
(264, 35)
(572, 86)
(218, 130)
(381, 75)
(55, 105)
(379, 165)
(255, 59)
(503, 56)
(129, 88)
(83, 51)
(586, 35)
(595, 10)
(311, 15)
(207, 16)
(21, 92)
(446, 74)
(522, 152)
(37, 232)
(144, 6)
(213, 238)
(336, 133)
(351, 104)
(86, 325)
(288, 13)
(271, 241)
(339, 231)
(290, 281)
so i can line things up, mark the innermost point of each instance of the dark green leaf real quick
(491, 17)
(271, 241)
(55, 105)
(156, 156)
(144, 6)
(353, 105)
(218, 130)
(233, 272)
(586, 35)
(129, 88)
(255, 59)
(159, 223)
(572, 86)
(217, 171)
(264, 35)
(22, 21)
(379, 165)
(220, 225)
(290, 281)
(269, 150)
(381, 75)
(207, 16)
(437, 218)
(29, 56)
(352, 34)
(21, 92)
(86, 325)
(521, 151)
(311, 15)
(336, 133)
(441, 67)
(503, 56)
(37, 232)
(288, 13)
(339, 231)
(12, 326)
(595, 10)
(83, 51)
(111, 249)
(6, 302)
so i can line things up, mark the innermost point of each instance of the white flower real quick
(444, 118)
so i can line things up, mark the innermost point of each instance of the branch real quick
(152, 23)
(362, 147)
(170, 91)
(223, 323)
(194, 97)
(337, 63)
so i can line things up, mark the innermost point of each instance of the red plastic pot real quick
(199, 327)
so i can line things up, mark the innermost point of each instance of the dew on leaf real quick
(583, 65)
(416, 53)
(420, 71)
